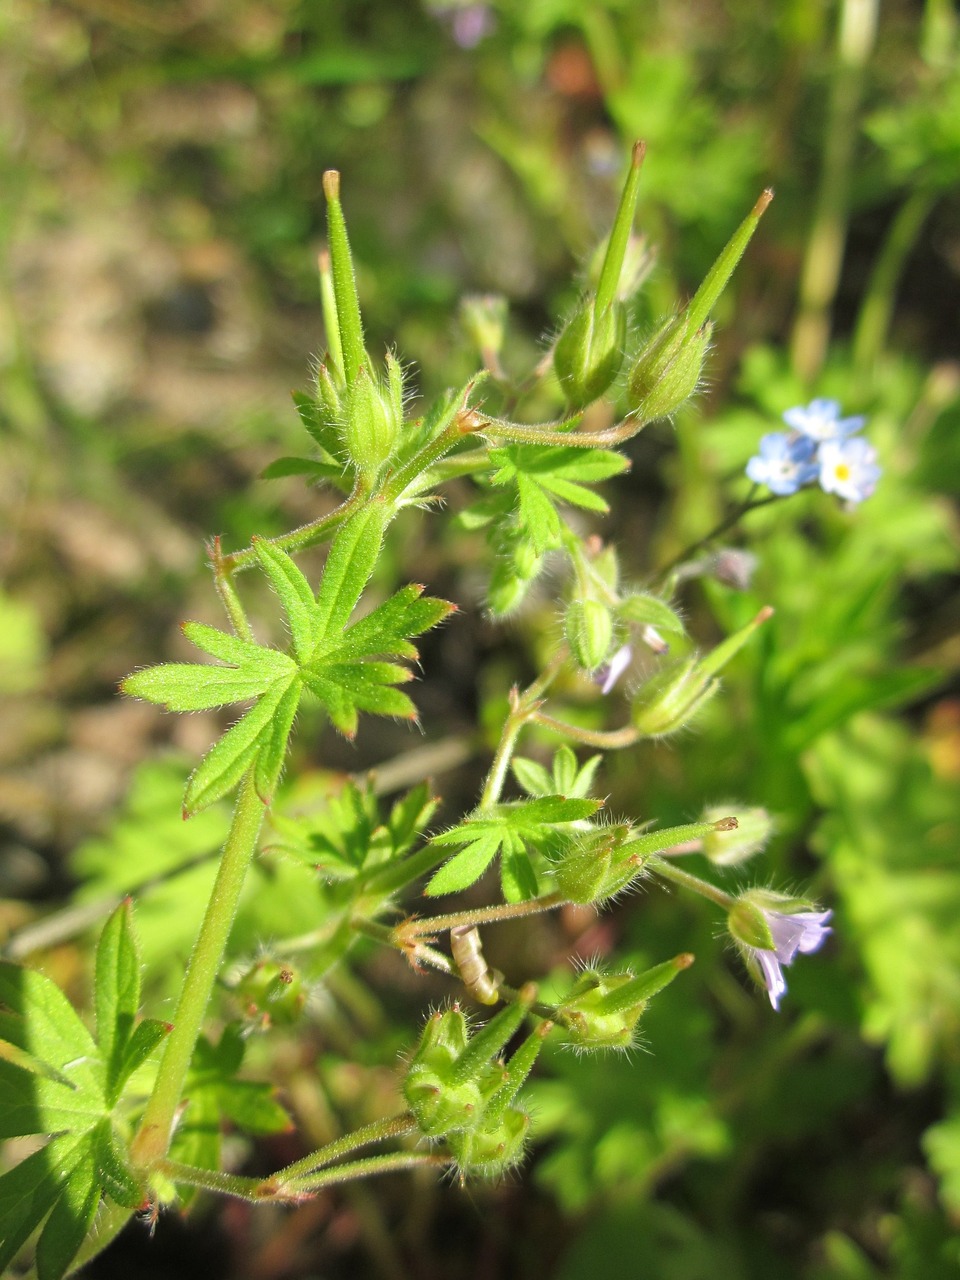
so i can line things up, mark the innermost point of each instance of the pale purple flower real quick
(849, 469)
(784, 463)
(802, 932)
(820, 420)
(608, 675)
(733, 566)
(468, 23)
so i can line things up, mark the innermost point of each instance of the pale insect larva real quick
(480, 980)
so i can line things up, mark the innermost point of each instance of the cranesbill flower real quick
(820, 420)
(784, 463)
(849, 468)
(770, 937)
(803, 933)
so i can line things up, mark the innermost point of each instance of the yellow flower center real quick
(843, 471)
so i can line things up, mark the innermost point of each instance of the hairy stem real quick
(482, 915)
(667, 871)
(377, 1131)
(607, 740)
(156, 1129)
(307, 535)
(523, 707)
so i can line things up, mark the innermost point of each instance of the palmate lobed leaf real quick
(508, 829)
(338, 663)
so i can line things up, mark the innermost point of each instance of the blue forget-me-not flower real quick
(820, 420)
(821, 446)
(784, 463)
(849, 468)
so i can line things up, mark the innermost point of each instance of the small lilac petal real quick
(804, 931)
(472, 24)
(610, 673)
(772, 975)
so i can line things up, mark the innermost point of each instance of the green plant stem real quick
(390, 1163)
(727, 523)
(522, 707)
(465, 422)
(824, 256)
(519, 434)
(482, 915)
(228, 1184)
(667, 871)
(875, 311)
(228, 593)
(377, 1131)
(279, 1187)
(156, 1129)
(307, 535)
(607, 740)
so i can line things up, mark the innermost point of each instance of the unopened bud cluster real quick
(602, 1009)
(460, 1089)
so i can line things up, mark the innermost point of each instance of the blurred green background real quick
(160, 163)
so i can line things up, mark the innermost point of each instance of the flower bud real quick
(328, 396)
(729, 846)
(602, 1010)
(596, 867)
(439, 1105)
(526, 559)
(667, 371)
(455, 1081)
(589, 352)
(372, 417)
(273, 991)
(672, 698)
(506, 590)
(490, 1152)
(588, 628)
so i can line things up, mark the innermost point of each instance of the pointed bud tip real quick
(684, 960)
(639, 151)
(766, 612)
(726, 824)
(323, 262)
(331, 184)
(762, 202)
